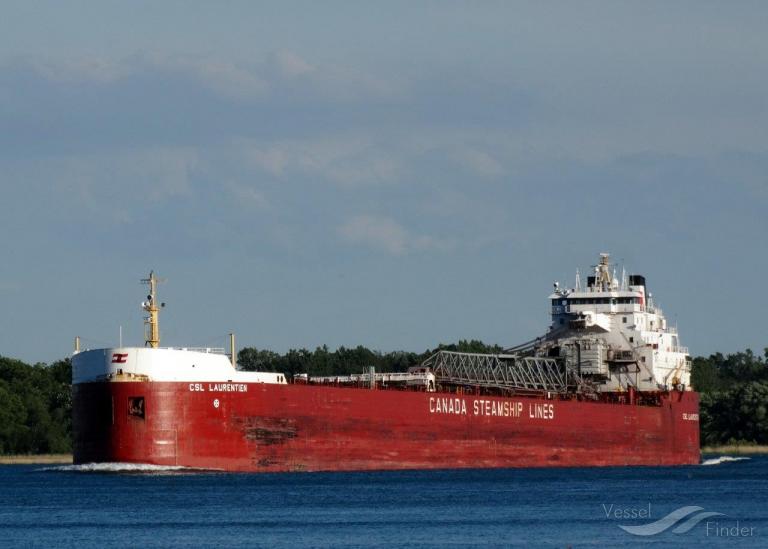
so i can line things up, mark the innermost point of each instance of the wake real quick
(139, 468)
(722, 459)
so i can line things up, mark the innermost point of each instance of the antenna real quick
(151, 322)
(624, 284)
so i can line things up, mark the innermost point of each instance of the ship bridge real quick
(611, 330)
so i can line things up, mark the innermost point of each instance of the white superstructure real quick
(162, 364)
(155, 363)
(614, 334)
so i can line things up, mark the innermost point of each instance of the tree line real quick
(344, 361)
(36, 406)
(734, 397)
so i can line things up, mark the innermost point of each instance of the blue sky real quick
(391, 174)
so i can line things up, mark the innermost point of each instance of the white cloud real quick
(230, 80)
(96, 69)
(479, 163)
(384, 233)
(378, 232)
(291, 64)
(114, 184)
(174, 166)
(347, 84)
(264, 76)
(247, 195)
(271, 159)
(367, 168)
(349, 162)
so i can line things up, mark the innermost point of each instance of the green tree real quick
(13, 417)
(739, 415)
(705, 375)
(35, 407)
(254, 360)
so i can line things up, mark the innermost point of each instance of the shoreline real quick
(739, 449)
(26, 459)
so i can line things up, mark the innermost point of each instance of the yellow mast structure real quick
(151, 322)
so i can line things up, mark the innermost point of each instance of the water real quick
(117, 506)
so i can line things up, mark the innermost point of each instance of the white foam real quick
(120, 468)
(722, 459)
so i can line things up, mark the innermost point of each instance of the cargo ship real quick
(607, 385)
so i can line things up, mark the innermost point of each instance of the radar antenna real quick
(603, 279)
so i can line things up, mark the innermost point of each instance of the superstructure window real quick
(623, 320)
(136, 407)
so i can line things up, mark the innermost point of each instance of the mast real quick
(603, 279)
(151, 322)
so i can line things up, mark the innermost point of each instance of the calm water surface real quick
(115, 507)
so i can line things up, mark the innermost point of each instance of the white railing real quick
(377, 376)
(210, 350)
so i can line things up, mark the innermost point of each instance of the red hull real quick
(270, 427)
